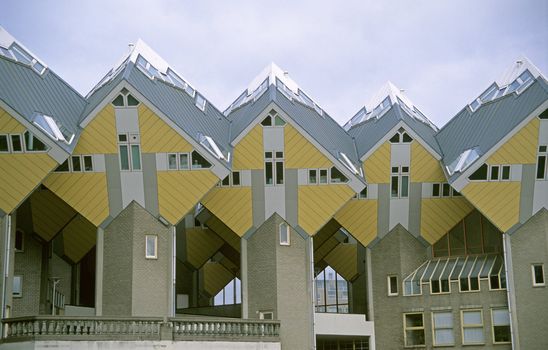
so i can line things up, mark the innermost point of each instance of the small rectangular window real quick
(435, 190)
(269, 175)
(284, 234)
(413, 326)
(494, 172)
(323, 176)
(501, 326)
(183, 161)
(76, 163)
(394, 186)
(538, 275)
(279, 173)
(122, 137)
(235, 178)
(392, 285)
(4, 144)
(442, 323)
(312, 176)
(17, 290)
(541, 167)
(151, 249)
(505, 172)
(446, 188)
(405, 186)
(266, 315)
(16, 144)
(88, 163)
(472, 327)
(172, 161)
(19, 241)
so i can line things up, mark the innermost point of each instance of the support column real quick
(243, 278)
(4, 264)
(171, 302)
(99, 248)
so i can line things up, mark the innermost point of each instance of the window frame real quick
(533, 277)
(155, 240)
(400, 174)
(434, 328)
(288, 234)
(472, 325)
(8, 143)
(263, 313)
(405, 329)
(273, 160)
(129, 145)
(391, 293)
(20, 293)
(493, 326)
(21, 142)
(544, 155)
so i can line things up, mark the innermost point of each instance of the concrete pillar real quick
(4, 260)
(243, 277)
(172, 272)
(99, 248)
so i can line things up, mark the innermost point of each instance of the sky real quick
(442, 53)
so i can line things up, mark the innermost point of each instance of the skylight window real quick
(463, 161)
(200, 102)
(211, 146)
(53, 128)
(19, 54)
(344, 159)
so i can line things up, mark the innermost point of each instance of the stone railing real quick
(132, 328)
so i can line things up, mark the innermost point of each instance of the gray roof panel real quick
(28, 92)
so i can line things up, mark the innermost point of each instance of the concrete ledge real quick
(343, 325)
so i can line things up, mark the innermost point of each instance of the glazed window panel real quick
(331, 292)
(501, 326)
(414, 329)
(442, 323)
(472, 327)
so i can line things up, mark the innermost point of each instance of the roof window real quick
(53, 128)
(211, 146)
(19, 54)
(463, 161)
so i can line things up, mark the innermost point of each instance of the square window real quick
(151, 249)
(17, 286)
(279, 154)
(268, 155)
(405, 169)
(392, 285)
(538, 275)
(122, 137)
(284, 234)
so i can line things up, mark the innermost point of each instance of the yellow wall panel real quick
(521, 148)
(223, 231)
(439, 215)
(248, 153)
(359, 218)
(377, 165)
(498, 201)
(216, 277)
(49, 213)
(324, 249)
(85, 192)
(424, 167)
(79, 238)
(232, 205)
(317, 204)
(21, 173)
(201, 244)
(157, 136)
(9, 123)
(99, 136)
(180, 191)
(301, 153)
(343, 259)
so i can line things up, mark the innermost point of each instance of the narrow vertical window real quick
(136, 157)
(269, 175)
(446, 190)
(88, 163)
(472, 327)
(76, 164)
(538, 275)
(394, 182)
(183, 161)
(312, 176)
(392, 285)
(405, 182)
(19, 236)
(494, 172)
(235, 178)
(501, 326)
(151, 249)
(17, 289)
(279, 172)
(541, 162)
(323, 176)
(435, 190)
(172, 161)
(505, 172)
(442, 322)
(284, 234)
(124, 157)
(16, 145)
(4, 144)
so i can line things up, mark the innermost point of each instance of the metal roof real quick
(322, 128)
(28, 93)
(490, 123)
(370, 132)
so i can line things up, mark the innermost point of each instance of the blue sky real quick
(442, 53)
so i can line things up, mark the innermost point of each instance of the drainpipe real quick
(7, 243)
(508, 270)
(311, 250)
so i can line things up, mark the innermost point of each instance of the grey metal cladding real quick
(321, 128)
(490, 122)
(178, 106)
(372, 131)
(28, 92)
(99, 95)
